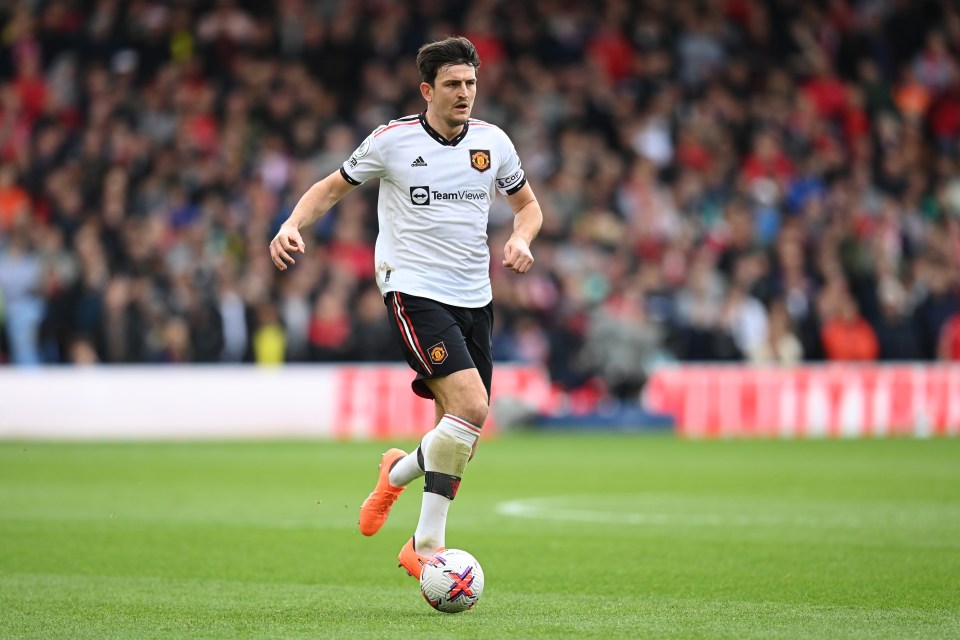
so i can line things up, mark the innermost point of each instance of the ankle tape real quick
(441, 483)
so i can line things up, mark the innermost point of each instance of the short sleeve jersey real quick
(435, 197)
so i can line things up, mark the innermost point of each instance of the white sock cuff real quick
(463, 431)
(406, 470)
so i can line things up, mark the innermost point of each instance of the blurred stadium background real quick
(771, 185)
(752, 229)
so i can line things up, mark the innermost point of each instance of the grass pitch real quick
(579, 537)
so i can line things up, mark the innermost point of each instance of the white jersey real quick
(435, 197)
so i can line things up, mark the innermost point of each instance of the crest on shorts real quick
(438, 353)
(480, 159)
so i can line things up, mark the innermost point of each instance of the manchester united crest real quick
(480, 159)
(438, 353)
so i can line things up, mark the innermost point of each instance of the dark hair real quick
(451, 51)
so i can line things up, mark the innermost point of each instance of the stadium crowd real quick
(760, 180)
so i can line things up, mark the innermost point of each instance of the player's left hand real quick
(517, 256)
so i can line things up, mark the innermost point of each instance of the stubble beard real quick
(455, 120)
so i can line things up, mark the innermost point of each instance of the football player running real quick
(439, 172)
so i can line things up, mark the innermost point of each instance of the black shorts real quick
(439, 339)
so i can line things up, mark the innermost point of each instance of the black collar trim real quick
(439, 138)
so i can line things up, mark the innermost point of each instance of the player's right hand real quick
(286, 242)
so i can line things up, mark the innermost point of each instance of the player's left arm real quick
(527, 219)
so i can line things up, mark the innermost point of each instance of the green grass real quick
(603, 537)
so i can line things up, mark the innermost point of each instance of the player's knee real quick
(474, 411)
(461, 396)
(471, 409)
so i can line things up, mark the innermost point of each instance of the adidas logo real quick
(419, 162)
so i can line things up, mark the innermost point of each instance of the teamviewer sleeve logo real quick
(420, 196)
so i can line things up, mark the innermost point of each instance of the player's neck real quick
(440, 126)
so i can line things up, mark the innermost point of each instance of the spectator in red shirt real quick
(14, 201)
(847, 336)
(948, 347)
(329, 332)
(612, 51)
(30, 83)
(767, 160)
(945, 114)
(826, 91)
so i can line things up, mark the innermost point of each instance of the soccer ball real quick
(451, 581)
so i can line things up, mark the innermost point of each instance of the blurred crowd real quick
(733, 180)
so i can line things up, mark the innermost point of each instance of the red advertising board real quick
(842, 400)
(376, 401)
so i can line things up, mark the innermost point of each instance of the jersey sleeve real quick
(510, 177)
(366, 162)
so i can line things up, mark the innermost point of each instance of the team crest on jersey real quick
(480, 159)
(438, 353)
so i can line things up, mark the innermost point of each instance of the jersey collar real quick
(439, 138)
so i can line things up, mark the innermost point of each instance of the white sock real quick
(458, 428)
(446, 450)
(406, 470)
(432, 527)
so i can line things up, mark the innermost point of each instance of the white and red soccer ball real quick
(452, 581)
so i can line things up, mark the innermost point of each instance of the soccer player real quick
(439, 172)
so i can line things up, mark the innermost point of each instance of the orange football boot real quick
(376, 508)
(411, 560)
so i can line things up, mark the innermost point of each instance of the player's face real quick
(452, 94)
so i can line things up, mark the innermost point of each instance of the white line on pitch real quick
(555, 510)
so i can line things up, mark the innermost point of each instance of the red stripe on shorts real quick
(406, 328)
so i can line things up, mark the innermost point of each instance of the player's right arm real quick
(312, 206)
